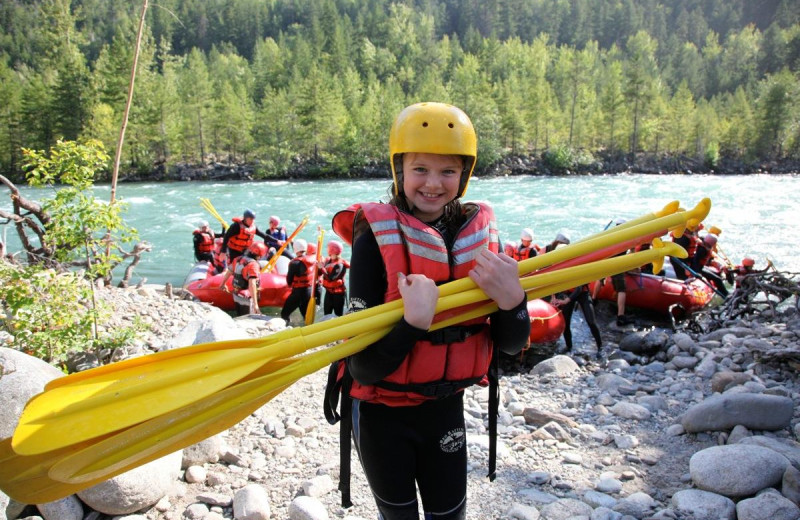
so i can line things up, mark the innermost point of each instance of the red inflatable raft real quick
(203, 283)
(659, 293)
(547, 322)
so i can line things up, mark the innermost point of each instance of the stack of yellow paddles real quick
(90, 426)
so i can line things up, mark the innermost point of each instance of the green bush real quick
(559, 158)
(711, 157)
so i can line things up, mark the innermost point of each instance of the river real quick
(757, 213)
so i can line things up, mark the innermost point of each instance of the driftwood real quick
(759, 292)
(30, 221)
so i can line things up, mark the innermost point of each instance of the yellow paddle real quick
(206, 203)
(141, 391)
(272, 261)
(311, 308)
(297, 340)
(58, 473)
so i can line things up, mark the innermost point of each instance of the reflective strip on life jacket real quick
(432, 369)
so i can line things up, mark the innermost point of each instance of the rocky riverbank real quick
(667, 425)
(532, 164)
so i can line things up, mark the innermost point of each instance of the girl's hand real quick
(498, 277)
(420, 295)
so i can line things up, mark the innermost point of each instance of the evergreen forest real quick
(275, 83)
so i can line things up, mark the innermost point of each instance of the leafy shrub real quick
(711, 157)
(559, 158)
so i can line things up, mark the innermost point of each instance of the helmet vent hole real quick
(425, 124)
(450, 125)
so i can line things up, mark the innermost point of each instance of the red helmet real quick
(311, 249)
(335, 247)
(257, 249)
(748, 262)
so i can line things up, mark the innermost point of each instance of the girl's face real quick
(430, 181)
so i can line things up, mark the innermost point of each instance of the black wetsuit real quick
(300, 296)
(580, 296)
(698, 264)
(423, 445)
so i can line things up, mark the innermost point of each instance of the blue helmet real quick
(248, 213)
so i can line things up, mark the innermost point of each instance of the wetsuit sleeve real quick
(511, 328)
(272, 241)
(262, 234)
(367, 289)
(291, 272)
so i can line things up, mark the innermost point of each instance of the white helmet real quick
(202, 224)
(300, 245)
(526, 234)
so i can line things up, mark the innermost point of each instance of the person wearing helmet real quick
(526, 248)
(403, 395)
(689, 240)
(560, 239)
(701, 262)
(276, 236)
(299, 277)
(246, 273)
(240, 235)
(333, 270)
(203, 239)
(510, 249)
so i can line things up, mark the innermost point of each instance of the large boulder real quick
(23, 376)
(753, 411)
(704, 504)
(136, 489)
(737, 470)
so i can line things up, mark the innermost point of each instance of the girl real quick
(407, 410)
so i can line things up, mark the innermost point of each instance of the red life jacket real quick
(206, 243)
(241, 281)
(335, 286)
(304, 280)
(243, 240)
(219, 255)
(523, 253)
(445, 363)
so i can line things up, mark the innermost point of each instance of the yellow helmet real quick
(433, 128)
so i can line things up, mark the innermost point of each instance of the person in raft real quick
(246, 272)
(406, 394)
(203, 240)
(240, 235)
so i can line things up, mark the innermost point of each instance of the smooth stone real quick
(704, 504)
(737, 470)
(768, 505)
(754, 411)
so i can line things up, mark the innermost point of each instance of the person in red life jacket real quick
(742, 270)
(203, 239)
(510, 249)
(689, 241)
(298, 277)
(246, 273)
(405, 396)
(240, 235)
(276, 236)
(526, 248)
(333, 270)
(701, 260)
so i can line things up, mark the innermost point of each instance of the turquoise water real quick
(757, 213)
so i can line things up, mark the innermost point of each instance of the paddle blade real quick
(311, 309)
(116, 400)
